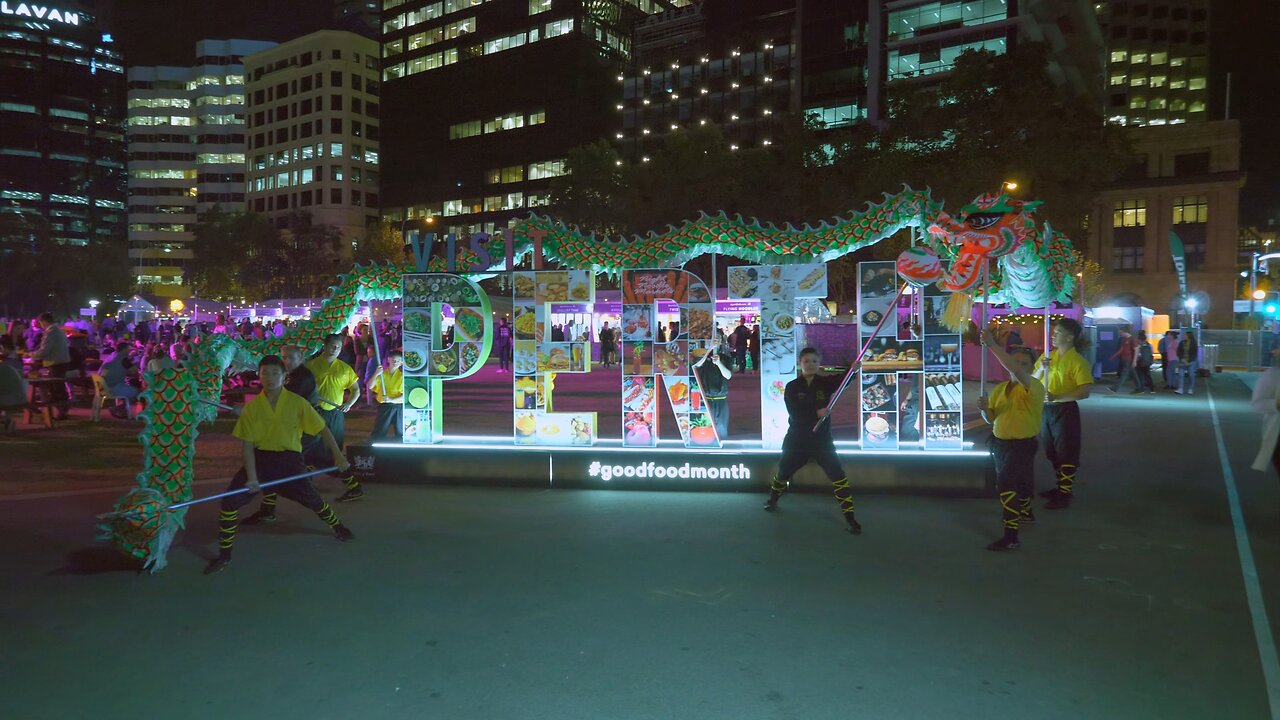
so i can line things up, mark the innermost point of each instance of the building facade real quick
(1188, 181)
(62, 150)
(922, 40)
(186, 143)
(314, 133)
(489, 97)
(1157, 61)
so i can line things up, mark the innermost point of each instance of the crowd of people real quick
(42, 349)
(1179, 353)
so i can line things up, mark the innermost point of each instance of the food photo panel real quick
(942, 352)
(943, 430)
(910, 407)
(889, 354)
(880, 430)
(879, 392)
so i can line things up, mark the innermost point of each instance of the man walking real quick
(1127, 356)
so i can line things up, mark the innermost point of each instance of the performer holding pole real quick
(857, 362)
(809, 398)
(271, 428)
(301, 382)
(1068, 379)
(338, 388)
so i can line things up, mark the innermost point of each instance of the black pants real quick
(1015, 476)
(57, 391)
(504, 361)
(1144, 378)
(271, 465)
(740, 359)
(719, 409)
(796, 454)
(390, 417)
(1062, 438)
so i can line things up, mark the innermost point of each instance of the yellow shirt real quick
(332, 379)
(1067, 371)
(278, 428)
(1016, 411)
(395, 385)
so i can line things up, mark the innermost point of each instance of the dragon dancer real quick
(807, 397)
(1068, 380)
(271, 428)
(1014, 411)
(299, 381)
(338, 388)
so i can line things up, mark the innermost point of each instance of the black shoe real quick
(350, 496)
(262, 516)
(854, 527)
(1061, 501)
(1008, 542)
(343, 534)
(1051, 492)
(218, 564)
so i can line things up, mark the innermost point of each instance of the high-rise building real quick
(743, 65)
(314, 132)
(1158, 61)
(922, 39)
(358, 16)
(490, 96)
(62, 151)
(186, 142)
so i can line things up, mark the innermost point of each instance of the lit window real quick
(1129, 213)
(1119, 55)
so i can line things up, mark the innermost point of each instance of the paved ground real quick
(468, 603)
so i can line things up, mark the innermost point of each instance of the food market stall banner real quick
(777, 287)
(428, 361)
(540, 357)
(649, 363)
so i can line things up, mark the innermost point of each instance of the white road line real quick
(1252, 587)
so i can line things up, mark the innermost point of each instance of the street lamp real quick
(1010, 185)
(1259, 294)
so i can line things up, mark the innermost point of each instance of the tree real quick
(1090, 288)
(381, 243)
(37, 273)
(235, 255)
(313, 258)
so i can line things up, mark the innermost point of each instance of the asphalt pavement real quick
(501, 603)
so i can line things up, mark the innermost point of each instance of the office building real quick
(186, 143)
(923, 39)
(1187, 179)
(1158, 61)
(62, 150)
(490, 96)
(314, 132)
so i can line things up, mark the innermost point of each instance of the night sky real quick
(164, 32)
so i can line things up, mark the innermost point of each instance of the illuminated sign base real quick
(492, 461)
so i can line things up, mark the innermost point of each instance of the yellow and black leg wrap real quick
(1010, 509)
(269, 503)
(843, 495)
(227, 522)
(351, 481)
(1066, 478)
(329, 517)
(1024, 506)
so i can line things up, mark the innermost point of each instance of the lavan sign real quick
(39, 12)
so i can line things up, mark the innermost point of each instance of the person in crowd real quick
(753, 347)
(54, 354)
(1144, 358)
(607, 335)
(806, 397)
(1127, 356)
(31, 338)
(13, 396)
(9, 353)
(271, 429)
(1266, 402)
(1015, 411)
(503, 337)
(1068, 379)
(115, 375)
(739, 339)
(387, 386)
(1169, 359)
(1188, 363)
(713, 376)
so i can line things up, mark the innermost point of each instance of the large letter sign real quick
(778, 287)
(539, 357)
(646, 361)
(428, 360)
